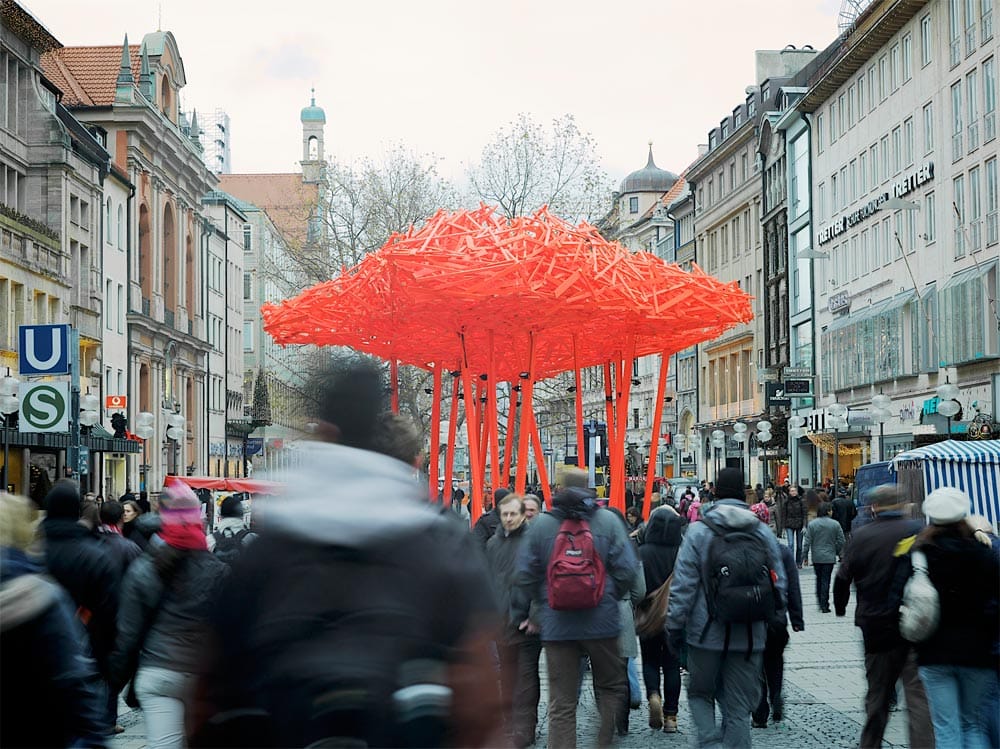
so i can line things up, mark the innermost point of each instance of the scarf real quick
(188, 536)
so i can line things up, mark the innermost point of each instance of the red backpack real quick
(575, 576)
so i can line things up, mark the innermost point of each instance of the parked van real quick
(866, 478)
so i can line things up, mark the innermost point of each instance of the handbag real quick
(651, 613)
(920, 610)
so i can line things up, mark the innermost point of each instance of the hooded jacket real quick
(688, 606)
(664, 533)
(79, 562)
(52, 694)
(611, 543)
(356, 587)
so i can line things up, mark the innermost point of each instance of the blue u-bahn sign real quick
(43, 349)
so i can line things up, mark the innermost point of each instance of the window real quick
(822, 202)
(711, 192)
(834, 203)
(852, 105)
(844, 188)
(863, 173)
(713, 140)
(841, 115)
(972, 108)
(992, 232)
(930, 224)
(855, 261)
(737, 117)
(907, 55)
(725, 129)
(928, 128)
(954, 34)
(107, 222)
(866, 265)
(958, 217)
(248, 335)
(989, 100)
(732, 175)
(854, 179)
(736, 236)
(975, 209)
(876, 256)
(247, 238)
(898, 243)
(743, 167)
(751, 106)
(108, 317)
(633, 205)
(908, 141)
(888, 242)
(894, 66)
(872, 101)
(873, 160)
(956, 121)
(121, 228)
(121, 308)
(247, 286)
(970, 26)
(885, 158)
(819, 133)
(986, 7)
(926, 41)
(724, 242)
(883, 77)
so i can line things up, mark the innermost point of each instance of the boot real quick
(670, 724)
(655, 711)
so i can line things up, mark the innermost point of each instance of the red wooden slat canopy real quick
(481, 294)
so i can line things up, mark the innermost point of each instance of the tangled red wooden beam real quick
(512, 300)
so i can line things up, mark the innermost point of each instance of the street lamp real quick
(8, 405)
(144, 430)
(175, 433)
(836, 419)
(948, 405)
(763, 436)
(740, 435)
(718, 443)
(880, 413)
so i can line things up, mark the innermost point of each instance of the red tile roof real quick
(87, 75)
(284, 197)
(674, 192)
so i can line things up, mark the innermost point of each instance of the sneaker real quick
(118, 729)
(656, 711)
(670, 724)
(759, 723)
(778, 710)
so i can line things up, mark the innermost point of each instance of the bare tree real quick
(527, 166)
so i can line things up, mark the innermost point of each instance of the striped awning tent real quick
(973, 467)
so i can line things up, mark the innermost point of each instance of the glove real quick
(675, 641)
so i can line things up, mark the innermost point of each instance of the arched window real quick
(165, 99)
(313, 148)
(121, 228)
(107, 221)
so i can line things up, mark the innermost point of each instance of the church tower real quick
(313, 120)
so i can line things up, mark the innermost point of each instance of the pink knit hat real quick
(178, 503)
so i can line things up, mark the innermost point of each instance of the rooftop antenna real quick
(159, 16)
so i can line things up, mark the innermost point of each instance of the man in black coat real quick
(875, 560)
(78, 562)
(844, 513)
(488, 522)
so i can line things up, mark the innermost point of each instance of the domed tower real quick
(648, 179)
(313, 120)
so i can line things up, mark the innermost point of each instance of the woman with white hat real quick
(957, 661)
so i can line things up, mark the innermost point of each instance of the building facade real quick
(904, 159)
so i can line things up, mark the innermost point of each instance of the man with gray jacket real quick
(569, 634)
(724, 663)
(825, 538)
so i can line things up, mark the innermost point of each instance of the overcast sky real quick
(442, 76)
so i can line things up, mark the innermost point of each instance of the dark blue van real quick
(866, 478)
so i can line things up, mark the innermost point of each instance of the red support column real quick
(394, 381)
(435, 450)
(449, 461)
(581, 448)
(654, 442)
(527, 384)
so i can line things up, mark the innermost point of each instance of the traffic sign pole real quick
(73, 456)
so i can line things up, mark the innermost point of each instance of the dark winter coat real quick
(52, 694)
(795, 513)
(611, 543)
(793, 597)
(501, 553)
(876, 554)
(131, 532)
(123, 551)
(664, 533)
(178, 611)
(967, 578)
(486, 526)
(844, 512)
(79, 562)
(824, 538)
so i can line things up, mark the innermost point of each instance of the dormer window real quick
(737, 118)
(725, 129)
(713, 140)
(751, 106)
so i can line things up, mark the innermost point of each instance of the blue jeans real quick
(794, 538)
(634, 690)
(955, 694)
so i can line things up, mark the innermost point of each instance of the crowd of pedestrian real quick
(357, 613)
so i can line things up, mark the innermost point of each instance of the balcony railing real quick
(973, 136)
(989, 126)
(992, 228)
(956, 146)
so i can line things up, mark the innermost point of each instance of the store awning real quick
(969, 274)
(98, 441)
(878, 308)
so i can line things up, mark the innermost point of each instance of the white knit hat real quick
(946, 505)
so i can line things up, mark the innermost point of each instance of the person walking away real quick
(984, 532)
(825, 538)
(874, 561)
(773, 671)
(628, 644)
(519, 651)
(725, 640)
(80, 563)
(664, 532)
(166, 599)
(52, 693)
(400, 596)
(794, 521)
(577, 620)
(844, 512)
(957, 662)
(778, 510)
(231, 536)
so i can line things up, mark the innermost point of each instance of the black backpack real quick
(229, 545)
(738, 582)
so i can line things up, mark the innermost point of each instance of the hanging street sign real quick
(115, 402)
(44, 407)
(43, 349)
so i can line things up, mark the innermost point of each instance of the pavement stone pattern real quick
(824, 696)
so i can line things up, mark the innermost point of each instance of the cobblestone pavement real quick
(824, 694)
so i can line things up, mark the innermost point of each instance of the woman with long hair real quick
(957, 662)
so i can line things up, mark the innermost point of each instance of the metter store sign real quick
(904, 186)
